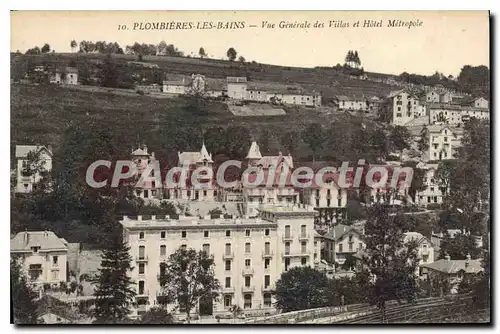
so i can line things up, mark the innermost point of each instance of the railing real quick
(228, 256)
(141, 258)
(228, 289)
(287, 237)
(304, 236)
(267, 254)
(142, 294)
(247, 271)
(267, 288)
(246, 289)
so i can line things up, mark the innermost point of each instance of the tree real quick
(45, 48)
(302, 288)
(34, 51)
(23, 298)
(314, 136)
(290, 141)
(241, 59)
(423, 143)
(391, 263)
(231, 54)
(459, 246)
(475, 80)
(73, 44)
(444, 174)
(188, 277)
(202, 53)
(399, 138)
(109, 73)
(481, 287)
(114, 293)
(156, 316)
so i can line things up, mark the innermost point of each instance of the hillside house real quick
(205, 190)
(437, 238)
(42, 256)
(276, 186)
(65, 75)
(341, 241)
(237, 88)
(454, 114)
(30, 172)
(432, 192)
(405, 106)
(443, 141)
(481, 103)
(147, 89)
(425, 250)
(180, 87)
(352, 103)
(453, 271)
(298, 97)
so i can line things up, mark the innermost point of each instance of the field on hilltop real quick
(327, 81)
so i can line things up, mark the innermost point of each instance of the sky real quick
(445, 41)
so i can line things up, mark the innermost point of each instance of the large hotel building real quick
(250, 254)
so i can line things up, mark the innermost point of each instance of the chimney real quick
(26, 237)
(467, 260)
(152, 154)
(447, 257)
(153, 217)
(49, 147)
(145, 148)
(139, 217)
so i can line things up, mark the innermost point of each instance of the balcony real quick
(296, 254)
(267, 254)
(247, 271)
(247, 289)
(141, 258)
(267, 288)
(287, 237)
(304, 236)
(228, 256)
(228, 289)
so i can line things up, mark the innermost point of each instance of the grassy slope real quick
(40, 114)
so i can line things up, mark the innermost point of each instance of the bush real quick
(140, 92)
(434, 206)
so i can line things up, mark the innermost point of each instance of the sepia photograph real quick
(250, 167)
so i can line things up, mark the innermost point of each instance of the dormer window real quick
(35, 249)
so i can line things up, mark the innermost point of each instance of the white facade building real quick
(432, 193)
(425, 250)
(443, 142)
(341, 241)
(249, 254)
(42, 255)
(67, 76)
(25, 182)
(352, 103)
(237, 88)
(405, 107)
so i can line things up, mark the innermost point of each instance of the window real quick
(206, 248)
(204, 193)
(141, 235)
(287, 247)
(141, 268)
(228, 233)
(267, 248)
(228, 282)
(303, 247)
(247, 233)
(163, 250)
(287, 263)
(287, 231)
(360, 245)
(142, 251)
(315, 244)
(267, 281)
(54, 260)
(163, 234)
(247, 247)
(183, 234)
(228, 300)
(303, 261)
(141, 287)
(205, 234)
(55, 275)
(228, 265)
(267, 300)
(228, 249)
(266, 232)
(303, 231)
(340, 248)
(339, 202)
(184, 247)
(267, 263)
(247, 303)
(350, 247)
(248, 281)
